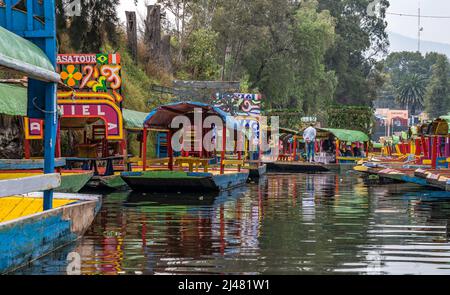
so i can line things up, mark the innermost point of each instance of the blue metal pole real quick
(51, 121)
(50, 139)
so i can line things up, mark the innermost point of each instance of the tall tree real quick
(411, 92)
(437, 99)
(361, 36)
(96, 25)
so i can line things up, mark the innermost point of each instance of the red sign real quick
(102, 109)
(34, 128)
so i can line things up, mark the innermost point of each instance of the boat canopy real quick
(19, 54)
(162, 116)
(445, 121)
(347, 135)
(13, 100)
(133, 120)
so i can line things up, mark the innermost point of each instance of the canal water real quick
(285, 224)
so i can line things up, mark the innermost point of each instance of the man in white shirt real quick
(309, 135)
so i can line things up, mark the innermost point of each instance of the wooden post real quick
(170, 150)
(27, 149)
(152, 35)
(434, 152)
(337, 151)
(424, 147)
(132, 34)
(447, 147)
(224, 145)
(144, 149)
(295, 148)
(58, 140)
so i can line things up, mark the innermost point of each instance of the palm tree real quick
(411, 92)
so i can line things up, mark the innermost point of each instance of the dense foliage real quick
(417, 82)
(301, 55)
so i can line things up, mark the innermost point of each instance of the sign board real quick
(34, 128)
(102, 109)
(95, 80)
(245, 105)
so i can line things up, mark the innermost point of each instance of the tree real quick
(96, 25)
(411, 92)
(360, 38)
(201, 55)
(437, 99)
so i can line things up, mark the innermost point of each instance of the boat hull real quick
(183, 182)
(256, 172)
(26, 239)
(281, 167)
(113, 182)
(73, 183)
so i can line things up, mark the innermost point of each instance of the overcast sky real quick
(433, 29)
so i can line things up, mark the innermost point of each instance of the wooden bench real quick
(193, 162)
(138, 161)
(238, 163)
(25, 185)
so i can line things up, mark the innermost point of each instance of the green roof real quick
(13, 100)
(19, 54)
(133, 119)
(347, 135)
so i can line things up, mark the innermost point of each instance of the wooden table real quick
(91, 164)
(193, 161)
(284, 158)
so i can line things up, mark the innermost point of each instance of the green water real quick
(286, 224)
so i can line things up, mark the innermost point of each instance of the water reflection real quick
(285, 224)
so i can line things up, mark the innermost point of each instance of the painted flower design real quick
(71, 76)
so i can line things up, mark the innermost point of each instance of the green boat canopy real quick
(19, 54)
(133, 120)
(347, 135)
(13, 100)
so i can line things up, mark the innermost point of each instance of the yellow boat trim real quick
(16, 206)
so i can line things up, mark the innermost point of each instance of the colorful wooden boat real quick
(180, 181)
(71, 182)
(28, 233)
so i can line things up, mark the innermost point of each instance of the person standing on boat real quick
(310, 140)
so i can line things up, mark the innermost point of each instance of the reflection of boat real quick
(138, 199)
(185, 199)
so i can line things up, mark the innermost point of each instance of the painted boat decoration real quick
(28, 233)
(180, 181)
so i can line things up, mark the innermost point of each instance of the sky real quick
(433, 29)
